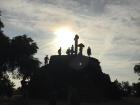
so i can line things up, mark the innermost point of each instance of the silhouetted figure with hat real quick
(59, 51)
(68, 51)
(46, 59)
(89, 51)
(76, 44)
(81, 46)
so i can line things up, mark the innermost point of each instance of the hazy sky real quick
(110, 27)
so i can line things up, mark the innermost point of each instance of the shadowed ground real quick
(18, 101)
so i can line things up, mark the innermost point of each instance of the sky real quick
(110, 27)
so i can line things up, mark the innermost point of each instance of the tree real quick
(4, 50)
(1, 24)
(23, 48)
(28, 66)
(137, 69)
(126, 88)
(6, 86)
(136, 89)
(136, 86)
(16, 54)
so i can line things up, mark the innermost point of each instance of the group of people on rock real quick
(72, 51)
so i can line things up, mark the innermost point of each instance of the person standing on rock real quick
(46, 59)
(89, 51)
(59, 51)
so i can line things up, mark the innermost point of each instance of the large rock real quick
(69, 75)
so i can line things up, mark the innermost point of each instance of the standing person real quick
(68, 51)
(72, 50)
(46, 59)
(89, 51)
(81, 46)
(59, 51)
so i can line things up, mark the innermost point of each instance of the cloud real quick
(80, 7)
(110, 27)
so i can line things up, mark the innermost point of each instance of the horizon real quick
(109, 27)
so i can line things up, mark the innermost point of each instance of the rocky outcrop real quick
(81, 74)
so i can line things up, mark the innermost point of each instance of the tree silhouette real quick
(136, 86)
(4, 50)
(28, 66)
(126, 88)
(137, 69)
(6, 86)
(1, 24)
(23, 48)
(136, 89)
(16, 54)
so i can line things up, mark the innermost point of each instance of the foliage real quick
(124, 88)
(1, 24)
(16, 54)
(6, 86)
(136, 89)
(137, 68)
(136, 86)
(23, 48)
(28, 66)
(4, 52)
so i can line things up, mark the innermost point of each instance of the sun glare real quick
(64, 37)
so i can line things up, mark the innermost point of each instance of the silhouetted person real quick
(81, 46)
(76, 44)
(59, 51)
(68, 51)
(72, 50)
(46, 59)
(89, 51)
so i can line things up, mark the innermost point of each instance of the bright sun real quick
(64, 37)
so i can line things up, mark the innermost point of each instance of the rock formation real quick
(69, 76)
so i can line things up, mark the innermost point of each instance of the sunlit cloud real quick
(110, 27)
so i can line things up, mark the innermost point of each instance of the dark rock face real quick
(73, 76)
